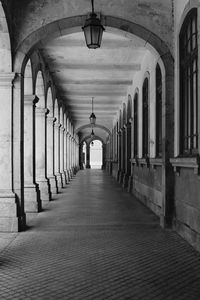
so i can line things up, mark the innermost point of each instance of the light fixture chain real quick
(92, 103)
(92, 1)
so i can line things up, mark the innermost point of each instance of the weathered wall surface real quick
(187, 206)
(186, 183)
(147, 186)
(156, 15)
(146, 179)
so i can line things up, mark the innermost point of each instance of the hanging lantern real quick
(93, 30)
(92, 134)
(92, 116)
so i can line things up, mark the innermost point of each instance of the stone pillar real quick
(62, 173)
(71, 162)
(119, 155)
(127, 173)
(68, 156)
(81, 156)
(88, 156)
(65, 157)
(32, 201)
(57, 156)
(122, 156)
(12, 216)
(50, 155)
(103, 157)
(41, 174)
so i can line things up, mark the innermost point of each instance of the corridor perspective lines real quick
(96, 242)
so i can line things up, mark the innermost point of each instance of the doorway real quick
(96, 154)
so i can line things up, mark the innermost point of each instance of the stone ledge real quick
(140, 162)
(154, 162)
(186, 162)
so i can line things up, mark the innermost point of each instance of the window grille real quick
(188, 85)
(145, 110)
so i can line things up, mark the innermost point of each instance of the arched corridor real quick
(120, 74)
(102, 245)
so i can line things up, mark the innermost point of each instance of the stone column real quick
(119, 155)
(71, 173)
(122, 157)
(127, 173)
(12, 216)
(57, 156)
(68, 157)
(32, 201)
(62, 173)
(88, 156)
(41, 174)
(65, 157)
(103, 157)
(81, 156)
(50, 155)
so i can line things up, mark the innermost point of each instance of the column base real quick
(121, 177)
(125, 181)
(32, 201)
(59, 181)
(69, 175)
(130, 184)
(165, 221)
(45, 189)
(53, 183)
(12, 219)
(66, 177)
(63, 179)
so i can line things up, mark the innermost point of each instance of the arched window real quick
(188, 85)
(145, 117)
(135, 124)
(158, 111)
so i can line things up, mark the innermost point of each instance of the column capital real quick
(42, 110)
(57, 125)
(51, 119)
(30, 99)
(6, 79)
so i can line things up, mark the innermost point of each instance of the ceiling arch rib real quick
(105, 74)
(95, 126)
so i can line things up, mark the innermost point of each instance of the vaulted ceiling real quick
(80, 73)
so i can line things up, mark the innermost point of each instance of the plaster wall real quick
(187, 206)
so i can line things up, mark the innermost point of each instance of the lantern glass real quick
(92, 119)
(93, 31)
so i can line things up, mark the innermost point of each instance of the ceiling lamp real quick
(93, 30)
(92, 116)
(92, 134)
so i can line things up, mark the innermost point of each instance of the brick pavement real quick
(96, 242)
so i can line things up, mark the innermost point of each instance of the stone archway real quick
(151, 41)
(11, 155)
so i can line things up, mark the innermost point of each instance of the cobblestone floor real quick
(96, 242)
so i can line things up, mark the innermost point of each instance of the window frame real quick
(159, 98)
(135, 125)
(188, 61)
(145, 117)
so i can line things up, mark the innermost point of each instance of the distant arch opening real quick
(84, 155)
(96, 154)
